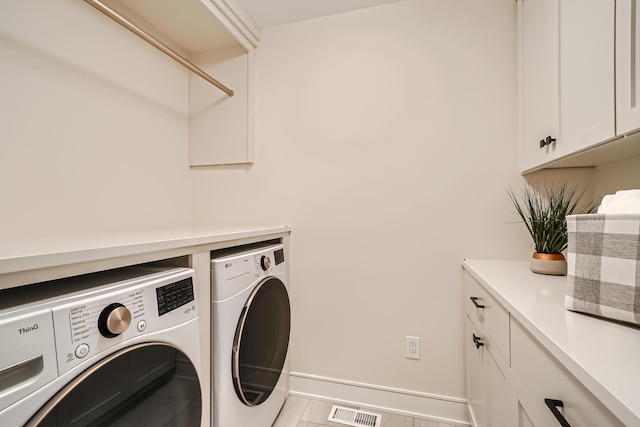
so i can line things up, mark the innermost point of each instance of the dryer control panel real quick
(230, 274)
(91, 323)
(268, 260)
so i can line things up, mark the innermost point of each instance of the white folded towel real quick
(623, 202)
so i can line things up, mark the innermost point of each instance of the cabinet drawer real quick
(491, 315)
(543, 377)
(488, 391)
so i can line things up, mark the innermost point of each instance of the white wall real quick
(94, 124)
(386, 138)
(620, 175)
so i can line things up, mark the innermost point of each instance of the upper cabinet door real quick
(567, 69)
(587, 110)
(627, 70)
(538, 27)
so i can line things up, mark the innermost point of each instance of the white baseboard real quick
(443, 409)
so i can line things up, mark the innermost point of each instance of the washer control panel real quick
(91, 322)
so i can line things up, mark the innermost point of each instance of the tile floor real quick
(302, 412)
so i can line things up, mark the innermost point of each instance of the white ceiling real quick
(268, 13)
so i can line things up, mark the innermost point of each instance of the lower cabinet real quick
(527, 386)
(524, 411)
(557, 394)
(487, 385)
(495, 396)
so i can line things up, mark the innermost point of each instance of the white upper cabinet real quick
(587, 110)
(539, 80)
(627, 70)
(567, 77)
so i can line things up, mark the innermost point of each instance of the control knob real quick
(265, 262)
(114, 320)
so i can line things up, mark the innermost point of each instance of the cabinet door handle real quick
(477, 341)
(474, 300)
(547, 141)
(553, 405)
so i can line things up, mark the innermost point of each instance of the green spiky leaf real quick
(544, 213)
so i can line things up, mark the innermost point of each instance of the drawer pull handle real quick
(477, 341)
(474, 300)
(553, 407)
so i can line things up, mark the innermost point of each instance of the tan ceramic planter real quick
(553, 264)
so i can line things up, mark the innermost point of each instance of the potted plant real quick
(544, 211)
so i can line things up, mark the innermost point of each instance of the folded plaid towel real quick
(603, 266)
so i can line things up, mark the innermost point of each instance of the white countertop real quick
(19, 254)
(603, 355)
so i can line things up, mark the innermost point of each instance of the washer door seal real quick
(261, 341)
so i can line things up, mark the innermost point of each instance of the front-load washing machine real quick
(251, 321)
(117, 349)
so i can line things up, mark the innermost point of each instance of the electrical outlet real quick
(412, 347)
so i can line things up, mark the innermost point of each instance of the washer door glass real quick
(143, 385)
(261, 341)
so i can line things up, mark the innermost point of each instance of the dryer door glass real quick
(143, 385)
(261, 341)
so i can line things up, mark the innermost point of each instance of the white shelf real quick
(30, 259)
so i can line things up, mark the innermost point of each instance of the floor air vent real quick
(353, 417)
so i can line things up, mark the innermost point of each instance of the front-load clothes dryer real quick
(251, 321)
(117, 349)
